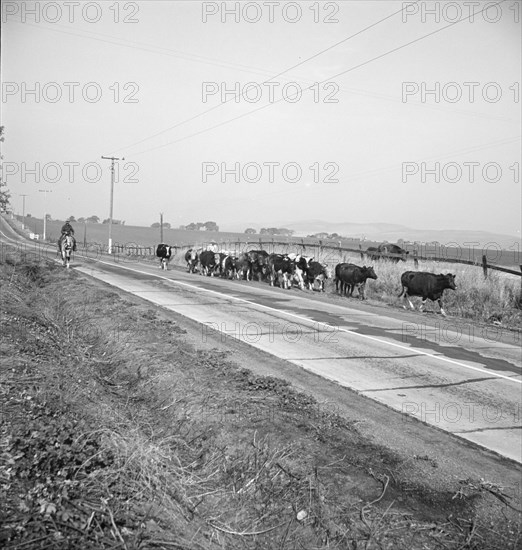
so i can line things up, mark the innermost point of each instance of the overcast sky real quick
(364, 123)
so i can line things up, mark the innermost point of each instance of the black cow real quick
(350, 276)
(258, 264)
(243, 266)
(317, 272)
(209, 261)
(337, 279)
(380, 253)
(427, 285)
(192, 259)
(164, 252)
(280, 265)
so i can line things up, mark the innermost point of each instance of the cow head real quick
(450, 281)
(369, 273)
(300, 262)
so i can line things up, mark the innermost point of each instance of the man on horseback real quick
(67, 229)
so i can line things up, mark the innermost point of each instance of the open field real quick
(147, 236)
(118, 432)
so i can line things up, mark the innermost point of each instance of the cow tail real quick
(402, 291)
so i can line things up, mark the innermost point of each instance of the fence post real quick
(520, 297)
(485, 266)
(415, 259)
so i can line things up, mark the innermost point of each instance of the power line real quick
(252, 197)
(270, 79)
(321, 82)
(151, 48)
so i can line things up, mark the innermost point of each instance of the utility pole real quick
(45, 210)
(23, 210)
(112, 159)
(161, 227)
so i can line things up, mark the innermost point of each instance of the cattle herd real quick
(289, 269)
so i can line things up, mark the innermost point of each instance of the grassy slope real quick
(117, 434)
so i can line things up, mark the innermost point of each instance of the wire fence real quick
(328, 252)
(325, 252)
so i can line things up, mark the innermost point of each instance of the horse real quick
(65, 245)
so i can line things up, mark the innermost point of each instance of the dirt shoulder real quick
(121, 428)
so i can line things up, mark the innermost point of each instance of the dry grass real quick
(117, 434)
(495, 299)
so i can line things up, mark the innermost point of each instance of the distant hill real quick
(393, 232)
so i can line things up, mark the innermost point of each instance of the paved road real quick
(457, 377)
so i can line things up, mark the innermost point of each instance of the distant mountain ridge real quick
(391, 232)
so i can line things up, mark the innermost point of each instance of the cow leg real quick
(406, 297)
(286, 281)
(300, 280)
(361, 292)
(441, 308)
(423, 303)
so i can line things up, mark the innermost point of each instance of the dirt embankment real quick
(118, 433)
